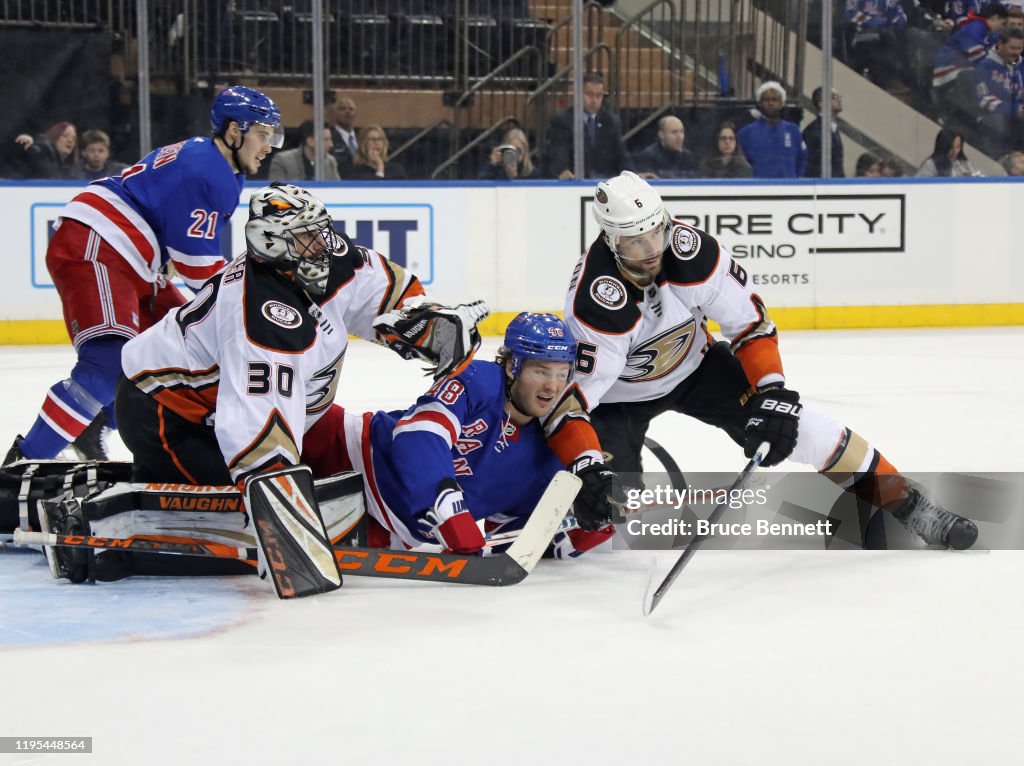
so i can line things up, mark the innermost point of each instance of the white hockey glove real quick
(444, 337)
(450, 523)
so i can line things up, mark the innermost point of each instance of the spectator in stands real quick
(342, 118)
(773, 146)
(876, 39)
(510, 160)
(604, 151)
(959, 12)
(667, 157)
(371, 162)
(96, 162)
(892, 168)
(54, 154)
(726, 160)
(1015, 18)
(966, 46)
(948, 159)
(812, 138)
(299, 164)
(1013, 163)
(998, 85)
(868, 166)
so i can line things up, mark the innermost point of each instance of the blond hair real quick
(527, 163)
(362, 158)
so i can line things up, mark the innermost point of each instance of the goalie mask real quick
(538, 337)
(633, 220)
(289, 229)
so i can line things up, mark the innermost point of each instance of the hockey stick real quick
(668, 463)
(507, 568)
(651, 600)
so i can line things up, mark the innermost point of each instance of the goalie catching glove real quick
(449, 522)
(445, 337)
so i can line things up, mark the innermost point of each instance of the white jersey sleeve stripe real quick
(424, 426)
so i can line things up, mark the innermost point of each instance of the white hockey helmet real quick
(289, 229)
(628, 206)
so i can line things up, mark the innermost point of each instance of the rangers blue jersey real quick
(171, 205)
(774, 149)
(458, 429)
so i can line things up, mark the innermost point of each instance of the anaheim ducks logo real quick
(660, 355)
(609, 292)
(326, 381)
(282, 314)
(684, 243)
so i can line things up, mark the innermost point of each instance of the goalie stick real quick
(651, 599)
(507, 568)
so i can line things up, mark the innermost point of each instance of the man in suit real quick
(604, 152)
(342, 117)
(298, 164)
(812, 137)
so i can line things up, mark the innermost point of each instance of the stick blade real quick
(544, 521)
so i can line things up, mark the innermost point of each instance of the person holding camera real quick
(510, 160)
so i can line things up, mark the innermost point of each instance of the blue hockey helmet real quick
(541, 337)
(247, 107)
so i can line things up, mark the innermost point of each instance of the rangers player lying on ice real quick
(473, 447)
(638, 304)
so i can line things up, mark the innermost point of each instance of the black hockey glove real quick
(601, 499)
(773, 415)
(444, 337)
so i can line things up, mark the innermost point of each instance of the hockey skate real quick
(91, 444)
(934, 524)
(14, 454)
(65, 517)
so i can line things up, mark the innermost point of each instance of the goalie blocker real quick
(291, 539)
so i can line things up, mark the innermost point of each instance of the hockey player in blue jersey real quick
(472, 448)
(115, 242)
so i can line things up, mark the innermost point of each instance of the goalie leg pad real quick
(292, 542)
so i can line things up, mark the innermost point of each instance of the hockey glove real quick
(445, 337)
(601, 499)
(773, 416)
(450, 523)
(571, 541)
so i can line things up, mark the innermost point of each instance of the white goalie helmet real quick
(289, 229)
(627, 206)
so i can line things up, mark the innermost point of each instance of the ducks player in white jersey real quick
(227, 385)
(638, 304)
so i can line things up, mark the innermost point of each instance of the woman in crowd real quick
(54, 154)
(726, 160)
(505, 167)
(371, 161)
(948, 159)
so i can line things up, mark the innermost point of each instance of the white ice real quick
(909, 657)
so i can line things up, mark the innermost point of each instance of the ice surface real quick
(908, 657)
